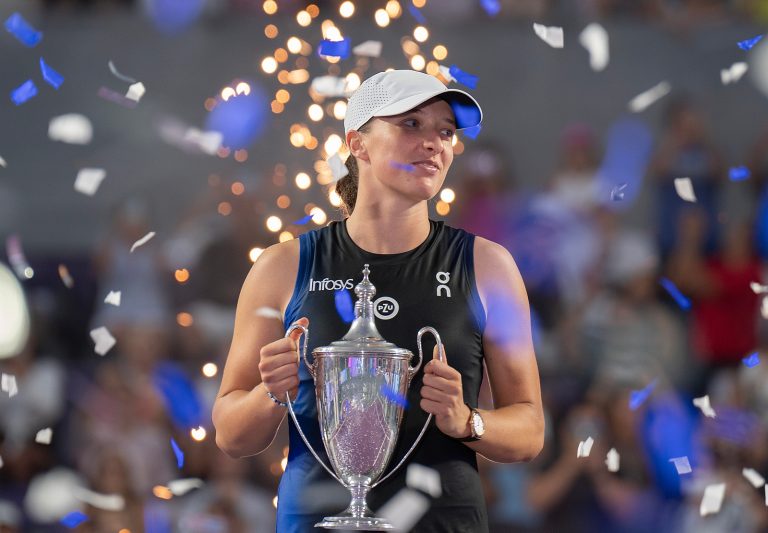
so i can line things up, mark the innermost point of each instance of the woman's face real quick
(412, 152)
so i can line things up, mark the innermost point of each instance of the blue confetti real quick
(638, 397)
(739, 173)
(462, 77)
(180, 397)
(51, 76)
(242, 118)
(473, 131)
(673, 291)
(24, 92)
(751, 360)
(749, 43)
(467, 115)
(179, 454)
(344, 305)
(402, 166)
(173, 16)
(74, 519)
(617, 193)
(492, 7)
(340, 49)
(421, 19)
(393, 396)
(304, 220)
(21, 29)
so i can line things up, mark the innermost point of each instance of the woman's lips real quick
(427, 166)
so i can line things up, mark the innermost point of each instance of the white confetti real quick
(754, 477)
(424, 478)
(764, 307)
(72, 128)
(585, 447)
(368, 49)
(733, 73)
(766, 492)
(113, 298)
(89, 179)
(713, 499)
(329, 86)
(703, 404)
(1, 462)
(143, 240)
(108, 502)
(684, 189)
(3, 163)
(103, 339)
(179, 487)
(44, 436)
(642, 101)
(8, 384)
(268, 312)
(338, 168)
(595, 39)
(135, 91)
(612, 460)
(682, 465)
(552, 35)
(207, 141)
(445, 72)
(123, 77)
(65, 276)
(757, 288)
(405, 508)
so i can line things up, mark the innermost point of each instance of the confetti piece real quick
(113, 298)
(338, 168)
(135, 92)
(53, 78)
(462, 77)
(72, 128)
(552, 35)
(107, 502)
(44, 436)
(417, 14)
(22, 30)
(617, 193)
(733, 73)
(753, 477)
(595, 39)
(208, 141)
(393, 396)
(748, 44)
(179, 487)
(344, 305)
(368, 49)
(329, 86)
(764, 307)
(23, 92)
(445, 72)
(682, 465)
(178, 453)
(103, 340)
(402, 166)
(3, 163)
(766, 495)
(74, 519)
(751, 360)
(143, 240)
(405, 508)
(425, 479)
(89, 179)
(713, 499)
(8, 384)
(66, 278)
(330, 48)
(612, 460)
(637, 397)
(268, 312)
(642, 101)
(585, 447)
(740, 173)
(1, 462)
(115, 97)
(492, 7)
(303, 221)
(17, 258)
(683, 302)
(757, 288)
(117, 74)
(473, 131)
(703, 404)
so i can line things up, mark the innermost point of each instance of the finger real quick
(276, 361)
(298, 332)
(435, 395)
(279, 388)
(431, 407)
(436, 353)
(441, 383)
(438, 368)
(283, 372)
(286, 344)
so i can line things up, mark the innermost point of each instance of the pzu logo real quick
(443, 278)
(385, 308)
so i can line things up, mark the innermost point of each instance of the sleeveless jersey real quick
(430, 285)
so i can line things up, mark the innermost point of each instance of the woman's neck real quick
(381, 231)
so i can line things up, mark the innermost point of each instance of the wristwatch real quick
(476, 426)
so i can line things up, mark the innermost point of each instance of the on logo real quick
(443, 278)
(385, 308)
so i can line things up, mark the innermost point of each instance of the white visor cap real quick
(390, 93)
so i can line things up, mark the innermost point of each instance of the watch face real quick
(477, 423)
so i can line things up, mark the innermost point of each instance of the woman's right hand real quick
(279, 364)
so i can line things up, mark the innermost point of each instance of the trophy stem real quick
(357, 517)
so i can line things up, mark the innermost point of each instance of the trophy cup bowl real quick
(361, 383)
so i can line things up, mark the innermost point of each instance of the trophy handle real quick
(290, 403)
(411, 372)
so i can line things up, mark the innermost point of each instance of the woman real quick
(399, 127)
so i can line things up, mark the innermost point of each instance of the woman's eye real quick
(411, 122)
(449, 133)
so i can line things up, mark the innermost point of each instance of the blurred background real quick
(626, 171)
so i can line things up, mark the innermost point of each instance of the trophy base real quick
(352, 523)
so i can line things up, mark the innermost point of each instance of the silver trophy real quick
(361, 383)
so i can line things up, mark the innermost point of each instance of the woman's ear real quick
(356, 145)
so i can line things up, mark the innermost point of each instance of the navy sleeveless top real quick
(431, 285)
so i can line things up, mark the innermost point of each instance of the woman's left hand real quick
(442, 396)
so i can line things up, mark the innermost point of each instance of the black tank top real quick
(431, 285)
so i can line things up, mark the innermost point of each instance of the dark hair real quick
(346, 187)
